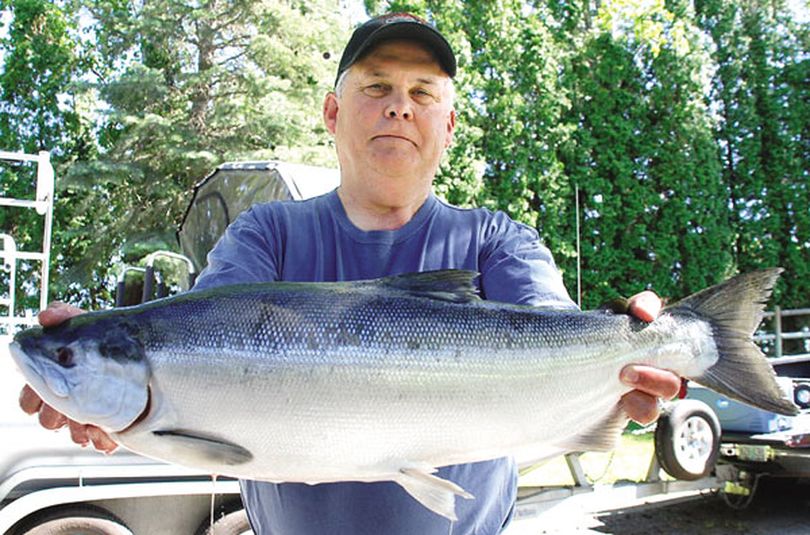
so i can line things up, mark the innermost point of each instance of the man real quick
(392, 117)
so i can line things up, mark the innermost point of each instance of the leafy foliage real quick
(761, 92)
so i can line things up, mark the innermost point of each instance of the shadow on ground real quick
(779, 506)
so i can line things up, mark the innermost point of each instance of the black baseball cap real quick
(397, 26)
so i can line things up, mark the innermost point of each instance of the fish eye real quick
(64, 357)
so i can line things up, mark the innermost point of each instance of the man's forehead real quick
(407, 52)
(382, 73)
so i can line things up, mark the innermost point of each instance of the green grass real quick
(629, 462)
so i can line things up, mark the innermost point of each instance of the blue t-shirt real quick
(314, 241)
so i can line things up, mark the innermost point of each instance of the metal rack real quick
(10, 255)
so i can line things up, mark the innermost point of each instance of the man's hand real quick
(49, 418)
(650, 384)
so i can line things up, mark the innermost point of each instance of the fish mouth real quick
(34, 375)
(23, 361)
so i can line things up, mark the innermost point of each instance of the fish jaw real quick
(41, 378)
(89, 388)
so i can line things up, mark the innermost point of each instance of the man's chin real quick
(398, 168)
(400, 154)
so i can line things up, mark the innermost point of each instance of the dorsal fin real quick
(453, 285)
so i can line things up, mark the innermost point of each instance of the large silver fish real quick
(380, 380)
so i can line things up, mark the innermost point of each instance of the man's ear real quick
(451, 128)
(330, 111)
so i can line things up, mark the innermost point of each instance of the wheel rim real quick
(693, 444)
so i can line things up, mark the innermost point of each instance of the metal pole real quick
(148, 284)
(10, 259)
(579, 257)
(777, 327)
(45, 196)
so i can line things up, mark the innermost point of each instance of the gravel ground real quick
(780, 507)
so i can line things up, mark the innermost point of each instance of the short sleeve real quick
(247, 252)
(517, 268)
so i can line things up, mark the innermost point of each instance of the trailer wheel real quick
(687, 440)
(232, 519)
(80, 519)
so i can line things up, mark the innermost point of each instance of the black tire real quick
(231, 519)
(77, 519)
(687, 440)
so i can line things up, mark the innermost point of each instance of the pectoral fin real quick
(210, 449)
(433, 492)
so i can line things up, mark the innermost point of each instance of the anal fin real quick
(603, 436)
(210, 449)
(433, 492)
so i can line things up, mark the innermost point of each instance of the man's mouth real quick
(394, 136)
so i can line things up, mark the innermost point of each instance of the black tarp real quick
(234, 187)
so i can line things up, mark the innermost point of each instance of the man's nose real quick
(399, 107)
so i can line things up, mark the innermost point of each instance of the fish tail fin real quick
(734, 309)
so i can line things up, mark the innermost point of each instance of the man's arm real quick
(244, 253)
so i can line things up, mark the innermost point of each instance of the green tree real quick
(186, 86)
(40, 110)
(39, 63)
(642, 153)
(761, 93)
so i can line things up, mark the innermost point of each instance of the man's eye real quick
(375, 89)
(64, 357)
(422, 94)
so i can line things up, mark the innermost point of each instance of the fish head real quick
(92, 372)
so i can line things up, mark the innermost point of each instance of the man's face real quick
(394, 116)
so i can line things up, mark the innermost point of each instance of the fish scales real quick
(374, 380)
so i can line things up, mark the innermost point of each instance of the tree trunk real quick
(201, 95)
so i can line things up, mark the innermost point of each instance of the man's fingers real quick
(85, 434)
(650, 384)
(78, 433)
(30, 402)
(101, 440)
(653, 381)
(51, 419)
(640, 407)
(56, 313)
(645, 306)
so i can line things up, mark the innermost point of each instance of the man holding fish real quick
(392, 117)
